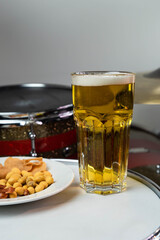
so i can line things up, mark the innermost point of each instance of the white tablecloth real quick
(74, 214)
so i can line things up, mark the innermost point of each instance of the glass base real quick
(103, 190)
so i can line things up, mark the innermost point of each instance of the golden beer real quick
(103, 107)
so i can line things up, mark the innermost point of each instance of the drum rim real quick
(22, 118)
(34, 85)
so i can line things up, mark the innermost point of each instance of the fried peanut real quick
(8, 184)
(13, 195)
(39, 178)
(26, 174)
(29, 178)
(20, 191)
(14, 178)
(26, 192)
(22, 180)
(31, 190)
(3, 182)
(31, 184)
(16, 170)
(17, 184)
(38, 173)
(47, 173)
(44, 183)
(39, 188)
(49, 180)
(9, 175)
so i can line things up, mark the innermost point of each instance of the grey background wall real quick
(43, 41)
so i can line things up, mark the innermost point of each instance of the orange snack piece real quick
(32, 165)
(3, 171)
(16, 162)
(42, 167)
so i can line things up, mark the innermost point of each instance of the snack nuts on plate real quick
(21, 182)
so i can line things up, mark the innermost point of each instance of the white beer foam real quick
(111, 78)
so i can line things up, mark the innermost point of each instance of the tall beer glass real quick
(103, 107)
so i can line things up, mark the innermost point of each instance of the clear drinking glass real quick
(103, 108)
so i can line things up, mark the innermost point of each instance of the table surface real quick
(75, 214)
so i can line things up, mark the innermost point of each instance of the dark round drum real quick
(37, 120)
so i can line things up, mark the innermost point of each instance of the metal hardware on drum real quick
(67, 152)
(32, 136)
(33, 151)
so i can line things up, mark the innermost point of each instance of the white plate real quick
(63, 177)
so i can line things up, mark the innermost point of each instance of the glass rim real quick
(104, 73)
